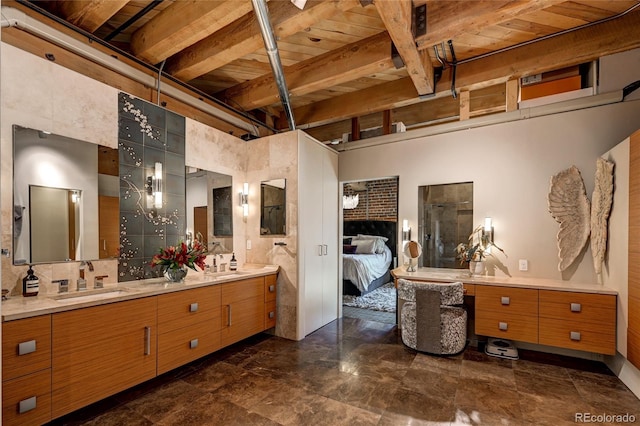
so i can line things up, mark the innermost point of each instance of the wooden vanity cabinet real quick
(99, 351)
(243, 307)
(188, 326)
(26, 371)
(507, 312)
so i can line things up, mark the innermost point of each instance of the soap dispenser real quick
(233, 263)
(30, 283)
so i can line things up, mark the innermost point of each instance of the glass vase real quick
(476, 267)
(175, 275)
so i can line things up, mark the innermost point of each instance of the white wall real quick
(510, 165)
(619, 70)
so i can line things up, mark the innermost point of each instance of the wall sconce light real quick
(75, 196)
(244, 199)
(154, 185)
(406, 231)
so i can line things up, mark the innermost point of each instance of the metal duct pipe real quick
(262, 14)
(12, 17)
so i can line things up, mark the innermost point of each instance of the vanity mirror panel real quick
(210, 209)
(445, 216)
(57, 184)
(273, 207)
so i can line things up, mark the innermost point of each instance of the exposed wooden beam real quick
(338, 66)
(396, 15)
(448, 19)
(586, 44)
(512, 95)
(355, 129)
(464, 99)
(387, 121)
(90, 15)
(183, 24)
(243, 36)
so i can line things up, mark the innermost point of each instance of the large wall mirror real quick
(65, 199)
(273, 212)
(445, 216)
(210, 209)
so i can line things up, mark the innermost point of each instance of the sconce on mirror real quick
(244, 199)
(154, 186)
(406, 231)
(210, 209)
(487, 234)
(83, 179)
(273, 207)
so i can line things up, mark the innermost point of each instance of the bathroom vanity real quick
(61, 354)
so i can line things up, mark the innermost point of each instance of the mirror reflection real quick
(210, 209)
(65, 199)
(273, 207)
(445, 214)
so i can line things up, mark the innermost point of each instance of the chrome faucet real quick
(98, 281)
(64, 285)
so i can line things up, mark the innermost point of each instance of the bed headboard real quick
(375, 227)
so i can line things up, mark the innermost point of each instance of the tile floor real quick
(357, 372)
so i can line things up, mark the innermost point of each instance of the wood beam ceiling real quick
(580, 46)
(90, 15)
(348, 63)
(243, 36)
(396, 15)
(183, 24)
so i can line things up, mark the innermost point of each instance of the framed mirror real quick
(445, 216)
(209, 198)
(65, 199)
(273, 212)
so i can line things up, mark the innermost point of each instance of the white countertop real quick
(463, 275)
(18, 307)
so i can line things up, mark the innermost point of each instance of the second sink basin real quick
(89, 295)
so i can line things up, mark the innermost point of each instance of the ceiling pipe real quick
(12, 17)
(262, 14)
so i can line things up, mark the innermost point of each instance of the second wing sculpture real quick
(570, 207)
(601, 201)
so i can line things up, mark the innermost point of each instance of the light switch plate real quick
(523, 265)
(248, 244)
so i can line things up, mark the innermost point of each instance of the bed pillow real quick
(349, 249)
(372, 237)
(365, 246)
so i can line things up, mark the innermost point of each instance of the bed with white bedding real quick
(370, 268)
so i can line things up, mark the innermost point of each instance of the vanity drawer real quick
(469, 289)
(270, 288)
(507, 326)
(242, 290)
(269, 314)
(590, 337)
(27, 399)
(183, 308)
(580, 307)
(520, 301)
(184, 345)
(26, 346)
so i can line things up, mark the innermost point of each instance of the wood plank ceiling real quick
(337, 54)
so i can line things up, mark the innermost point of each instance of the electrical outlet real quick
(248, 244)
(523, 264)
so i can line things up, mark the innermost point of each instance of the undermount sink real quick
(225, 274)
(89, 295)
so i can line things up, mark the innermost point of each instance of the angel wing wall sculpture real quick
(601, 201)
(570, 207)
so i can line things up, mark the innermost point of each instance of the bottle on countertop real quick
(30, 284)
(233, 263)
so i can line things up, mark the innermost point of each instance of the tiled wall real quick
(378, 202)
(148, 134)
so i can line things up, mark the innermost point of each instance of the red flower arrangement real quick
(172, 257)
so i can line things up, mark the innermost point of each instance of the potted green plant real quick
(476, 250)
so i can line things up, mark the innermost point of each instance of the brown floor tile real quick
(544, 410)
(117, 417)
(214, 376)
(540, 368)
(435, 385)
(494, 372)
(407, 404)
(249, 389)
(438, 364)
(488, 398)
(546, 386)
(164, 400)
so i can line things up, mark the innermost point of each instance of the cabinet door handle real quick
(503, 326)
(272, 314)
(576, 307)
(193, 307)
(104, 245)
(320, 250)
(147, 340)
(26, 347)
(505, 300)
(325, 249)
(272, 288)
(575, 335)
(229, 316)
(193, 344)
(27, 405)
